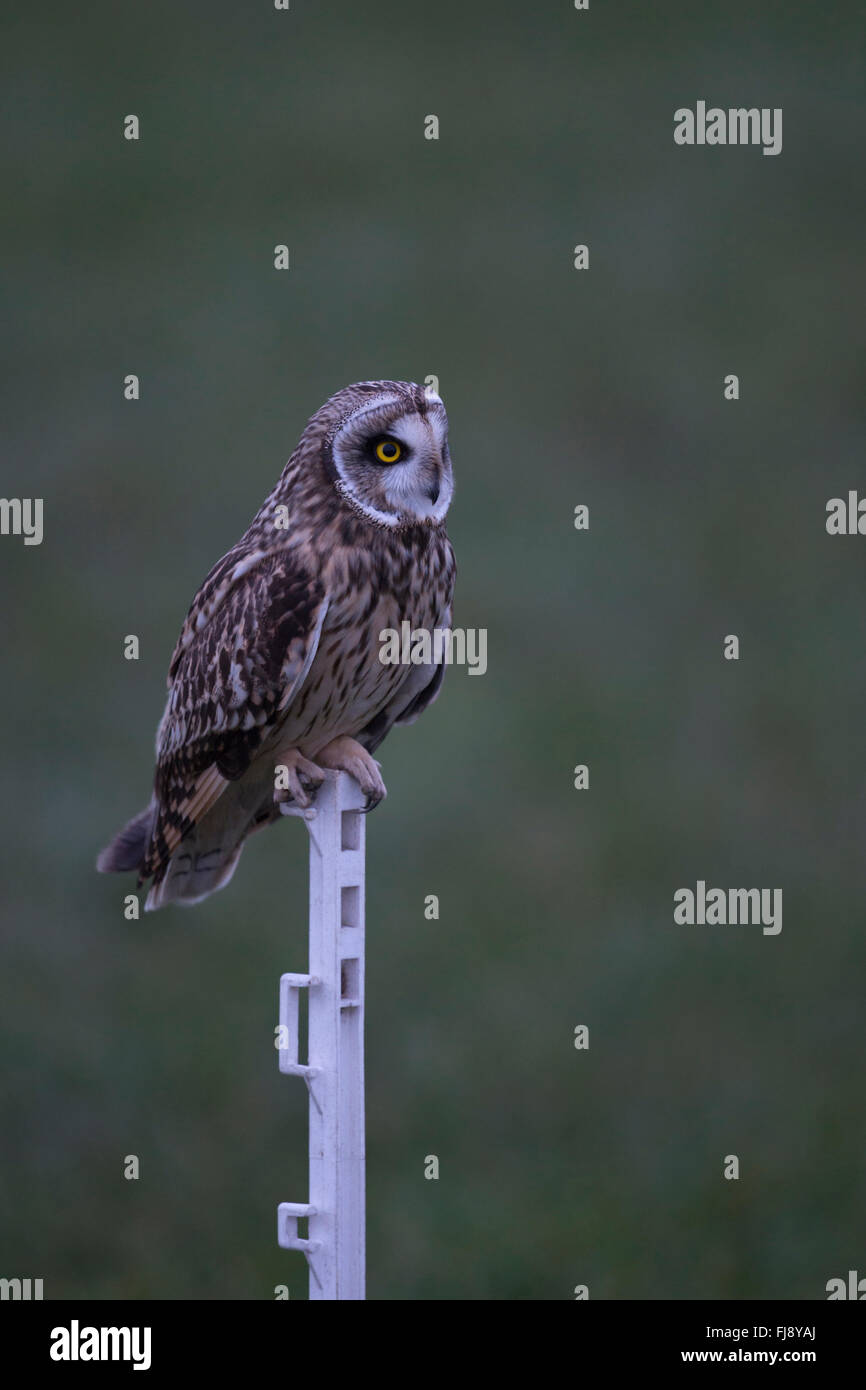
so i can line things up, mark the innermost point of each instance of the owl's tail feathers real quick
(208, 855)
(199, 866)
(192, 876)
(127, 849)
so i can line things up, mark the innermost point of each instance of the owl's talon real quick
(374, 793)
(346, 755)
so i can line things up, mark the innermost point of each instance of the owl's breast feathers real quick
(281, 647)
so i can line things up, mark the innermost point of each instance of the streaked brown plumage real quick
(278, 660)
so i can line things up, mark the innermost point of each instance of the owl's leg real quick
(346, 755)
(296, 779)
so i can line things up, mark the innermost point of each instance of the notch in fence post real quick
(334, 1072)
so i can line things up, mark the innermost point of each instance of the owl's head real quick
(387, 452)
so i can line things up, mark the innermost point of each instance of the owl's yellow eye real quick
(388, 451)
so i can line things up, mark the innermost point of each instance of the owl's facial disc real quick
(393, 464)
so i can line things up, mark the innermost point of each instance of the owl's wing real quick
(244, 651)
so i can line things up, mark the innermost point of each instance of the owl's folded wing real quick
(244, 651)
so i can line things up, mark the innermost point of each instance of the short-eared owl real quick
(277, 663)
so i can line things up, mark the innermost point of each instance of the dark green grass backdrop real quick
(604, 387)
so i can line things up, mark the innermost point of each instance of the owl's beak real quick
(436, 465)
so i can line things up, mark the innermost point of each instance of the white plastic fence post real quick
(334, 1070)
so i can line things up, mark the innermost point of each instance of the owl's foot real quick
(296, 779)
(346, 755)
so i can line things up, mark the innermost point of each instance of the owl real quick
(277, 666)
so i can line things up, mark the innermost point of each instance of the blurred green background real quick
(411, 257)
